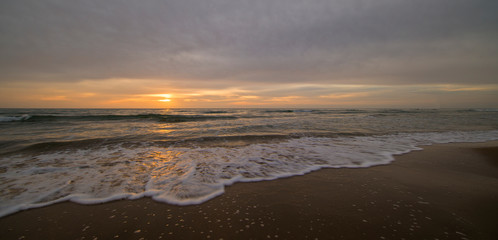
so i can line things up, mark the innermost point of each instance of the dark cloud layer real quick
(236, 42)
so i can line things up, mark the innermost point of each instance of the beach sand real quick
(447, 191)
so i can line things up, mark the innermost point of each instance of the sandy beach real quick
(447, 191)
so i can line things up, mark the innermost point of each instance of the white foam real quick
(14, 118)
(186, 176)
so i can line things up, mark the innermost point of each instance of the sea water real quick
(188, 156)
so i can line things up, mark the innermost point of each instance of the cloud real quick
(247, 52)
(238, 43)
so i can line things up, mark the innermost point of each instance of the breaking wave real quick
(191, 175)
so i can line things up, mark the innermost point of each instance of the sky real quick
(248, 53)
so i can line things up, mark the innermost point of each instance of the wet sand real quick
(446, 191)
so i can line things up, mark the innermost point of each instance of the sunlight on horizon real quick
(147, 93)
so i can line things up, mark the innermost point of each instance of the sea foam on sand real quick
(183, 176)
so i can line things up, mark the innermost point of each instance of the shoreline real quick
(446, 191)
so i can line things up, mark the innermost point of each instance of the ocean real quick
(188, 156)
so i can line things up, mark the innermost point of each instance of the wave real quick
(279, 111)
(405, 111)
(477, 110)
(14, 118)
(292, 111)
(139, 117)
(192, 175)
(56, 146)
(216, 111)
(344, 111)
(19, 147)
(349, 111)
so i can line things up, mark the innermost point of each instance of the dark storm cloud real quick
(231, 42)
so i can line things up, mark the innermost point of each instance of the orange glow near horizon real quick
(165, 97)
(125, 93)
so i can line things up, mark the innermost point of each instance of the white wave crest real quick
(14, 118)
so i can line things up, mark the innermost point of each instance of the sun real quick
(165, 97)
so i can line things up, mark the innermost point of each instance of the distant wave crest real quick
(14, 118)
(138, 117)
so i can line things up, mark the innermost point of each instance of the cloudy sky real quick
(254, 53)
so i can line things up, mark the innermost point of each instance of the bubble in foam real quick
(191, 175)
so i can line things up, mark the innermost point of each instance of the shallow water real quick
(187, 156)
